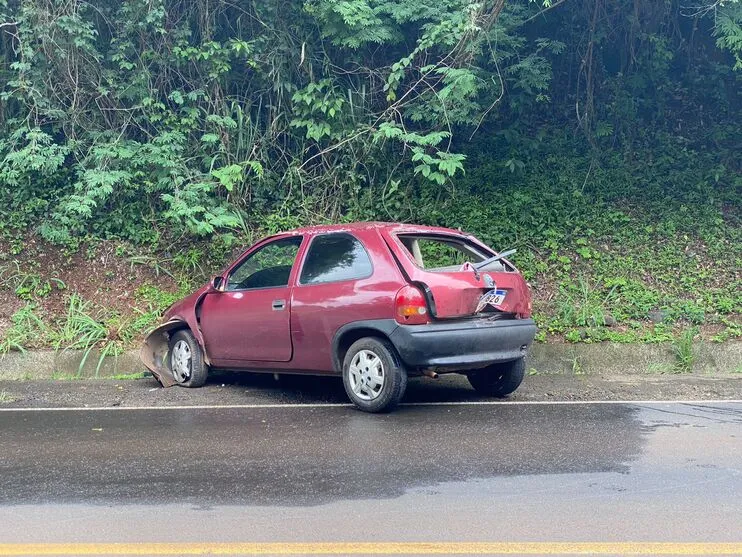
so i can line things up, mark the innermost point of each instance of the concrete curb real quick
(610, 358)
(66, 364)
(558, 359)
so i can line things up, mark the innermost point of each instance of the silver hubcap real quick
(180, 361)
(366, 375)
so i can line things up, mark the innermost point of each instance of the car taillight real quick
(410, 307)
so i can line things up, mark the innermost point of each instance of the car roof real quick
(389, 226)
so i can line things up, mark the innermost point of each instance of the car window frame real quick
(267, 242)
(309, 248)
(439, 236)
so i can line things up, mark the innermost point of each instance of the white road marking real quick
(376, 548)
(349, 405)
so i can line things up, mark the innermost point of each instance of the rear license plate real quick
(492, 298)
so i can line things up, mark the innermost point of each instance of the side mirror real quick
(217, 283)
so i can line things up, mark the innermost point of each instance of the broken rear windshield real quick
(441, 253)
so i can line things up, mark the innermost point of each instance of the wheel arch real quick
(350, 333)
(155, 347)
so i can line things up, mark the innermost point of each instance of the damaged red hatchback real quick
(373, 302)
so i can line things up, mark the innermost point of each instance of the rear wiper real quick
(492, 259)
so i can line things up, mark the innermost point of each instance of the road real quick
(596, 477)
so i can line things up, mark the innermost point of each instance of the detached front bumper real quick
(463, 344)
(153, 353)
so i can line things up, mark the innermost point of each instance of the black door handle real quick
(279, 305)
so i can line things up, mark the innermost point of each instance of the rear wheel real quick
(498, 379)
(373, 376)
(186, 360)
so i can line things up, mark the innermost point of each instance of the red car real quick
(373, 302)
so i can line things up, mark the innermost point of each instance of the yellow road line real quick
(389, 548)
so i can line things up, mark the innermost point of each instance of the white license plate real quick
(492, 298)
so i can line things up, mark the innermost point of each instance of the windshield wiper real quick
(492, 259)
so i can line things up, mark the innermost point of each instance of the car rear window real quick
(335, 257)
(440, 253)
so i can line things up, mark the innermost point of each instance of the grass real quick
(129, 376)
(683, 350)
(152, 262)
(576, 364)
(661, 368)
(583, 304)
(26, 327)
(61, 376)
(95, 331)
(27, 284)
(84, 329)
(6, 397)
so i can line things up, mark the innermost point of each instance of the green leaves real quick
(228, 176)
(318, 109)
(728, 29)
(145, 117)
(439, 166)
(192, 207)
(354, 23)
(33, 151)
(390, 130)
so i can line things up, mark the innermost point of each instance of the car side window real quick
(268, 267)
(335, 257)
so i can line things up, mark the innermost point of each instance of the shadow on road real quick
(317, 389)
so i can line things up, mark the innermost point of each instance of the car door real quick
(250, 319)
(337, 285)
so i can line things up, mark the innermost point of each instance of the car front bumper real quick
(462, 344)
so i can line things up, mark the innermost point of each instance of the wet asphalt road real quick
(507, 472)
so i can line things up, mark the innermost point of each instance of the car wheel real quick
(373, 375)
(499, 379)
(186, 360)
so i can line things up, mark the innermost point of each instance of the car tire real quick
(186, 360)
(368, 362)
(499, 380)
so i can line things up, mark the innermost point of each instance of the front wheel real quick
(498, 379)
(186, 360)
(373, 376)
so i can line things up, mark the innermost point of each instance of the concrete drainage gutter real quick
(547, 359)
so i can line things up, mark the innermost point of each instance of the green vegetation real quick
(87, 327)
(129, 376)
(682, 348)
(26, 329)
(27, 284)
(59, 376)
(601, 138)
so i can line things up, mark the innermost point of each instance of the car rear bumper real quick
(463, 344)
